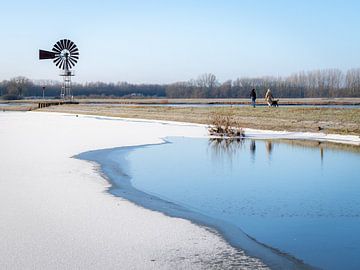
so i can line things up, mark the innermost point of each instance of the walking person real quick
(269, 97)
(253, 97)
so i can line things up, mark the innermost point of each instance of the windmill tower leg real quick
(62, 93)
(66, 87)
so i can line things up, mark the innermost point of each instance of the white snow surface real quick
(55, 212)
(322, 137)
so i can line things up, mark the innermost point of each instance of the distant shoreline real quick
(210, 101)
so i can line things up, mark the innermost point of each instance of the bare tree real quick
(207, 80)
(353, 81)
(18, 86)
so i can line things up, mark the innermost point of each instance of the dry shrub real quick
(225, 124)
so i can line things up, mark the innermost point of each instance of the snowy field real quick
(56, 214)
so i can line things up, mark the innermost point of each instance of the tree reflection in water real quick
(252, 150)
(228, 147)
(225, 147)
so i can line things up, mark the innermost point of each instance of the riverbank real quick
(344, 121)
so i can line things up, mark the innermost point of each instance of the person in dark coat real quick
(253, 97)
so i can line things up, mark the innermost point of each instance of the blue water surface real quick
(300, 198)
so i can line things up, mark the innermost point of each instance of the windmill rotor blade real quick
(75, 50)
(55, 50)
(75, 53)
(63, 64)
(69, 43)
(72, 46)
(57, 47)
(57, 60)
(46, 55)
(65, 43)
(58, 64)
(60, 45)
(73, 60)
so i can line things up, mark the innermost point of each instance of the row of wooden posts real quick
(44, 104)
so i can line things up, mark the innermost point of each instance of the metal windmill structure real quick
(65, 55)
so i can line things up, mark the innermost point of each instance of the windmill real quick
(65, 54)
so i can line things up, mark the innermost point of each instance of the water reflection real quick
(252, 150)
(229, 147)
(225, 148)
(321, 154)
(269, 148)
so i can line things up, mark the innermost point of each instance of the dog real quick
(275, 103)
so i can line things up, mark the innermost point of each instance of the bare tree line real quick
(325, 83)
(317, 83)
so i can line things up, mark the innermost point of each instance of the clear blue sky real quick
(175, 40)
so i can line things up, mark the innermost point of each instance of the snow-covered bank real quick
(309, 136)
(55, 213)
(257, 133)
(254, 133)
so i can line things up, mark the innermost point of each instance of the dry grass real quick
(225, 124)
(327, 120)
(18, 108)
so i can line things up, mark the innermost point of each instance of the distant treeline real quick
(319, 83)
